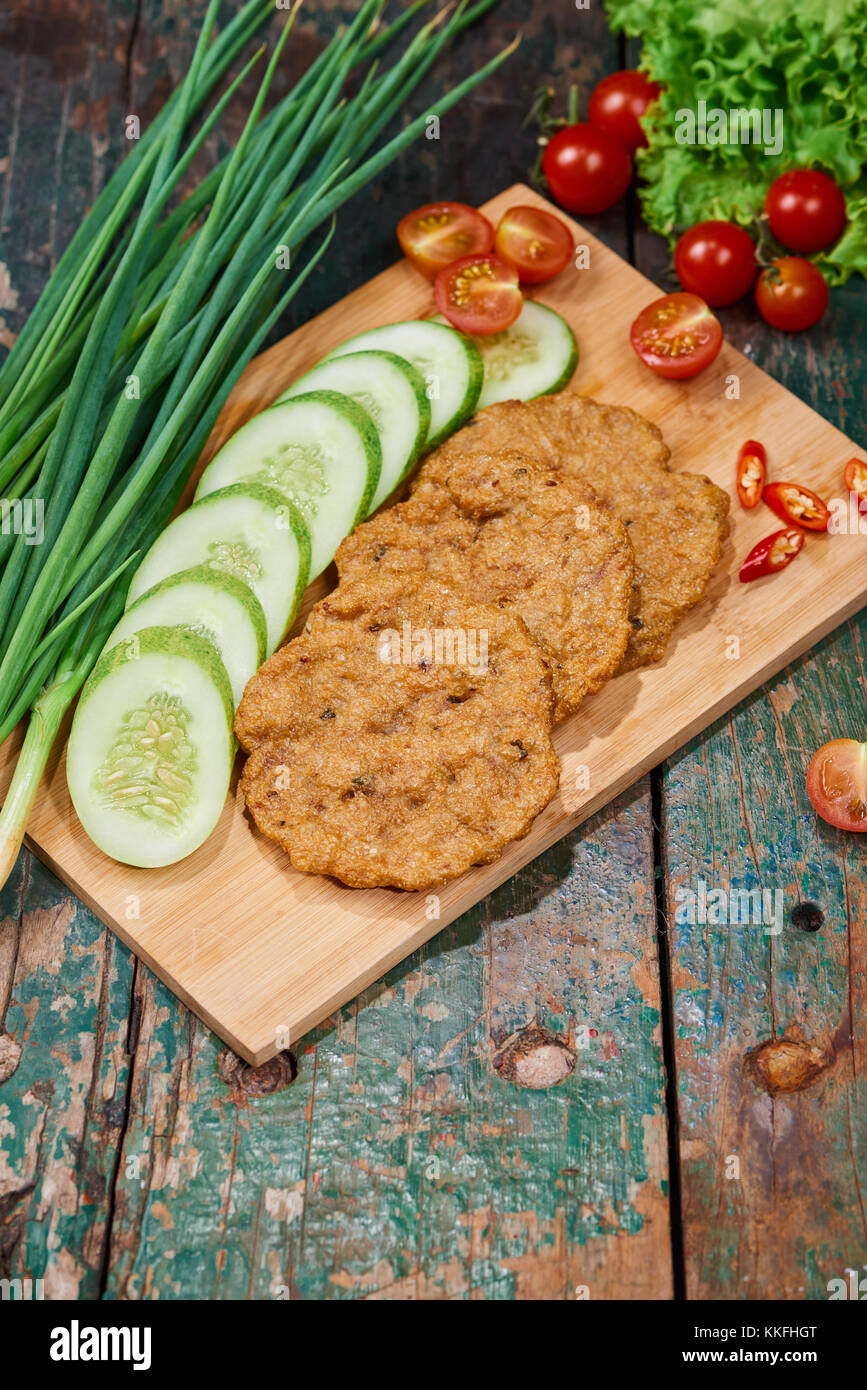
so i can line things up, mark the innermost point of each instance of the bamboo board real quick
(263, 953)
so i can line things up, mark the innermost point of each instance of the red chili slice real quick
(772, 554)
(791, 502)
(752, 472)
(855, 478)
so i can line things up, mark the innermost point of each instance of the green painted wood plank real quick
(736, 817)
(64, 1002)
(793, 1218)
(64, 982)
(410, 1159)
(62, 77)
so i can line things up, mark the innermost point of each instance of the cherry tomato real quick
(535, 242)
(797, 504)
(587, 170)
(772, 554)
(751, 473)
(435, 235)
(676, 335)
(855, 478)
(837, 783)
(806, 210)
(618, 103)
(479, 294)
(791, 294)
(716, 260)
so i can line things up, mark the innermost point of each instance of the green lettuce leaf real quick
(805, 59)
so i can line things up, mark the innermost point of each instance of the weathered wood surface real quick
(736, 815)
(794, 1216)
(403, 1162)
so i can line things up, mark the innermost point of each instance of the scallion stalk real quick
(180, 299)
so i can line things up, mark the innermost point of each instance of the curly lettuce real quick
(806, 59)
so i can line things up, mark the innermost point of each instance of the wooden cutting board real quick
(263, 953)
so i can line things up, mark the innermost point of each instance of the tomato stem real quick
(540, 107)
(765, 243)
(539, 115)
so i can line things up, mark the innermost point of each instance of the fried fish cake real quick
(677, 521)
(402, 738)
(529, 539)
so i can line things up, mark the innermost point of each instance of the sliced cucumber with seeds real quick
(247, 530)
(449, 363)
(392, 392)
(212, 603)
(151, 749)
(321, 450)
(535, 356)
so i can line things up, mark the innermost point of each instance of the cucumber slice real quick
(449, 363)
(392, 392)
(151, 749)
(535, 356)
(213, 604)
(321, 450)
(249, 531)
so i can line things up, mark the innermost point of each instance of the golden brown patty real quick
(403, 737)
(677, 522)
(529, 539)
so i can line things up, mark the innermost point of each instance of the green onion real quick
(219, 59)
(179, 299)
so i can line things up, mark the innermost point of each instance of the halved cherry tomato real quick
(772, 554)
(435, 235)
(535, 242)
(752, 472)
(677, 335)
(791, 502)
(855, 478)
(837, 783)
(479, 294)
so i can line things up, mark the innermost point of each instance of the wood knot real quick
(10, 1056)
(807, 917)
(784, 1065)
(535, 1058)
(245, 1080)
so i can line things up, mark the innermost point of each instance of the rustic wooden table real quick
(550, 1098)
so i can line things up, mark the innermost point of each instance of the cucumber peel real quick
(150, 754)
(212, 603)
(320, 450)
(245, 530)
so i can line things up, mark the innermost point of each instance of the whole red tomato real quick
(618, 103)
(806, 210)
(587, 170)
(716, 260)
(791, 294)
